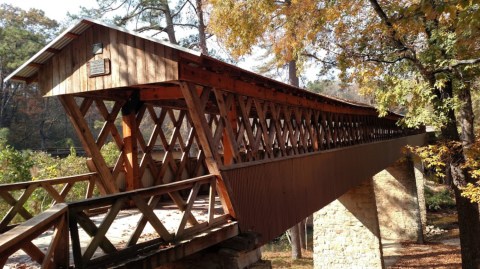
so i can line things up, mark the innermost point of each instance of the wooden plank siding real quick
(273, 195)
(133, 61)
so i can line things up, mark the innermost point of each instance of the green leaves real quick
(22, 34)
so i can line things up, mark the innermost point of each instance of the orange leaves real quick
(285, 27)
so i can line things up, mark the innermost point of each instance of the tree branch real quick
(313, 56)
(457, 63)
(383, 16)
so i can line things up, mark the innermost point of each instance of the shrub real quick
(439, 200)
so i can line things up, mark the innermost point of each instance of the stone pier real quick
(399, 212)
(346, 232)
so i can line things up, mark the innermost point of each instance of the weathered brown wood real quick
(11, 201)
(61, 250)
(53, 250)
(132, 60)
(140, 57)
(130, 149)
(102, 230)
(91, 229)
(21, 236)
(197, 112)
(147, 211)
(55, 78)
(227, 115)
(189, 245)
(160, 74)
(97, 80)
(33, 251)
(188, 209)
(15, 209)
(211, 201)
(115, 58)
(88, 142)
(122, 59)
(90, 83)
(53, 193)
(109, 125)
(264, 128)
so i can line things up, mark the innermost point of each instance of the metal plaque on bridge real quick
(98, 67)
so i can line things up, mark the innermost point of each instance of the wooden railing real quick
(56, 255)
(145, 201)
(58, 189)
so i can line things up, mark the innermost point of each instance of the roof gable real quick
(68, 63)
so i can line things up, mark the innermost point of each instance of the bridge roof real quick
(131, 60)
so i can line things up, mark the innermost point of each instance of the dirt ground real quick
(429, 255)
(439, 251)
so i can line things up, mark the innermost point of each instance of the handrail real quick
(50, 181)
(21, 236)
(145, 201)
(17, 205)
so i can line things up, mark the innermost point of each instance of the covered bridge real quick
(271, 153)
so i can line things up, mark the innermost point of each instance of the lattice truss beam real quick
(243, 128)
(156, 144)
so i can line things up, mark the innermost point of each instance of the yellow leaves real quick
(437, 156)
(471, 192)
(286, 27)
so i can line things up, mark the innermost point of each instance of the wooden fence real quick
(58, 189)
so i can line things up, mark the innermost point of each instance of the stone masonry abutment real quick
(348, 233)
(399, 210)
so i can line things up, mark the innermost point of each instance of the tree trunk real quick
(295, 237)
(202, 37)
(466, 117)
(170, 29)
(468, 212)
(294, 231)
(301, 229)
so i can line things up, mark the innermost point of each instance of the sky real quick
(57, 10)
(54, 9)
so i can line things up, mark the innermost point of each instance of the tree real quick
(22, 34)
(157, 17)
(239, 33)
(422, 55)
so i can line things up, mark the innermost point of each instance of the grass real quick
(280, 254)
(282, 259)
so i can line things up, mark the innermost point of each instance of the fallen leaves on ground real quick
(282, 259)
(429, 255)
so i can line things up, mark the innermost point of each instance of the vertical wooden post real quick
(61, 256)
(228, 152)
(130, 147)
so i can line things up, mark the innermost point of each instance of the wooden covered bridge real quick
(191, 131)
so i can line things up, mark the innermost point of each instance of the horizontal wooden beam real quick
(163, 93)
(52, 50)
(72, 35)
(30, 229)
(19, 78)
(227, 83)
(32, 64)
(32, 79)
(187, 246)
